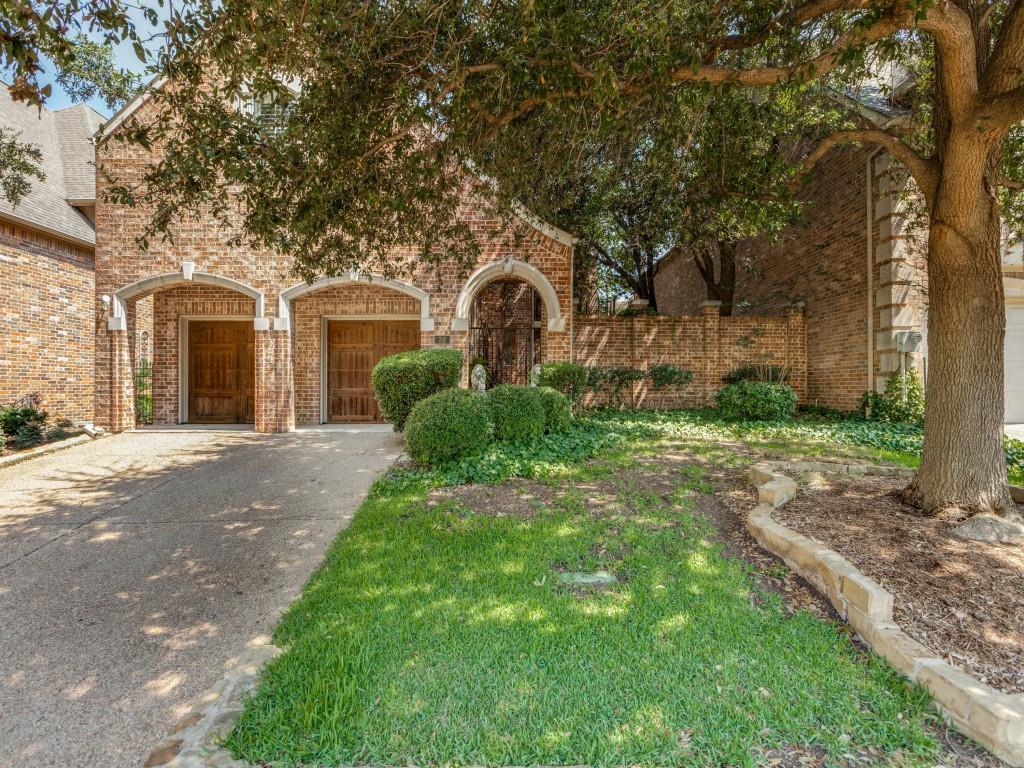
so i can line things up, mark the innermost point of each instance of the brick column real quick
(122, 387)
(711, 324)
(275, 386)
(796, 347)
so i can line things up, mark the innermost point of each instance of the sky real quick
(124, 56)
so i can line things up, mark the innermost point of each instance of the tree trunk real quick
(962, 463)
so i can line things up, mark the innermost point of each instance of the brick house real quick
(238, 339)
(856, 261)
(47, 263)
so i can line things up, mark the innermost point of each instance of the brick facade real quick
(707, 345)
(827, 262)
(48, 321)
(287, 332)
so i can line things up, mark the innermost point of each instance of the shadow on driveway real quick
(132, 569)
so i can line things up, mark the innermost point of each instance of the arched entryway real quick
(203, 330)
(341, 327)
(511, 315)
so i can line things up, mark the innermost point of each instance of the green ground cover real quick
(436, 633)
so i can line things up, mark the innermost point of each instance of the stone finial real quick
(535, 375)
(478, 377)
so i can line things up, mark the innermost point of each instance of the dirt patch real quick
(962, 599)
(516, 498)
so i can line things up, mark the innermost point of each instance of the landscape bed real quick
(963, 599)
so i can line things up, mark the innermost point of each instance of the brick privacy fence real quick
(708, 345)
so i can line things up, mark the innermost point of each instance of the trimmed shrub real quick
(14, 418)
(29, 435)
(557, 410)
(761, 372)
(568, 378)
(448, 424)
(400, 381)
(756, 401)
(518, 412)
(890, 406)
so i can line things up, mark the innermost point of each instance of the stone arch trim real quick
(119, 300)
(302, 289)
(508, 267)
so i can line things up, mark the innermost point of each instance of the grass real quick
(435, 635)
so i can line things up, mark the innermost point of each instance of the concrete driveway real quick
(134, 567)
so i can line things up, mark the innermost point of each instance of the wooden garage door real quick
(221, 370)
(353, 348)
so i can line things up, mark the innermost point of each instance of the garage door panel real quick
(354, 347)
(221, 368)
(1013, 387)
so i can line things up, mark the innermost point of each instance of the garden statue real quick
(478, 377)
(535, 375)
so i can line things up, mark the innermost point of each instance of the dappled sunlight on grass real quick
(443, 635)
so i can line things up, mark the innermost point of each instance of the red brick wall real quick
(820, 261)
(707, 345)
(46, 303)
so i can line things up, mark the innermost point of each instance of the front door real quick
(353, 348)
(221, 372)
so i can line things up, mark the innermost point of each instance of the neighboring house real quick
(856, 260)
(47, 245)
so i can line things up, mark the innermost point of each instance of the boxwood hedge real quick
(518, 412)
(448, 424)
(400, 381)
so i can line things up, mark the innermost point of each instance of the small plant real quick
(568, 378)
(13, 418)
(29, 435)
(891, 405)
(557, 410)
(448, 424)
(668, 377)
(756, 401)
(402, 380)
(617, 379)
(60, 430)
(518, 412)
(758, 372)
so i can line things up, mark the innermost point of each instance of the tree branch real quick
(957, 63)
(924, 170)
(1000, 112)
(1007, 60)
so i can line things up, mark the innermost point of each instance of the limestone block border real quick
(990, 717)
(195, 742)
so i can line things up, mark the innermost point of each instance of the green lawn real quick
(438, 634)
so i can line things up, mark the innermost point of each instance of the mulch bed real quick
(964, 600)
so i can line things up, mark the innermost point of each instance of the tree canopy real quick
(383, 106)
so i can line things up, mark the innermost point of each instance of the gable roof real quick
(64, 137)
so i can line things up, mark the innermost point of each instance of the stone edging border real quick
(195, 742)
(42, 450)
(990, 717)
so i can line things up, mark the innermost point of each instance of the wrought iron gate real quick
(143, 391)
(508, 353)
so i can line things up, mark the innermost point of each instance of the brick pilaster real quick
(711, 324)
(274, 391)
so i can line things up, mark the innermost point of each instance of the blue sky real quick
(124, 55)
